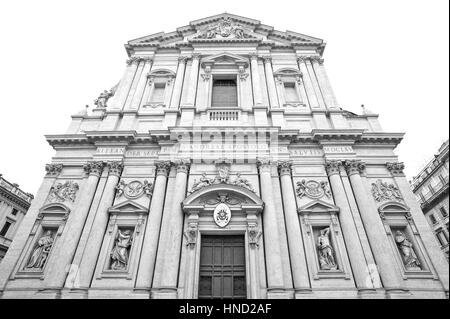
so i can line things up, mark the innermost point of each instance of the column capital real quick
(316, 58)
(183, 59)
(284, 167)
(94, 168)
(333, 167)
(253, 56)
(354, 167)
(182, 165)
(396, 168)
(137, 59)
(264, 165)
(53, 170)
(163, 167)
(195, 56)
(115, 168)
(302, 58)
(267, 58)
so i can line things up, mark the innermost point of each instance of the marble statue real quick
(326, 257)
(119, 254)
(40, 253)
(406, 250)
(103, 98)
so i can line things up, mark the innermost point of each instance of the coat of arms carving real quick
(225, 28)
(222, 215)
(63, 191)
(382, 191)
(313, 189)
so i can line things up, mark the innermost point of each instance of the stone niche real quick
(324, 245)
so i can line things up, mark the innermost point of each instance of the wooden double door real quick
(222, 267)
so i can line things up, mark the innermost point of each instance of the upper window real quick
(5, 229)
(433, 219)
(443, 211)
(290, 92)
(14, 211)
(224, 93)
(158, 93)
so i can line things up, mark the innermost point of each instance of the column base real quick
(164, 293)
(371, 294)
(277, 293)
(397, 294)
(74, 293)
(304, 293)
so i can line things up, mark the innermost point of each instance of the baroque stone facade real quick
(14, 204)
(222, 166)
(431, 189)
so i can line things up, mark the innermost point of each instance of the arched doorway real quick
(223, 254)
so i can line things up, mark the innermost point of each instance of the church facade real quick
(222, 166)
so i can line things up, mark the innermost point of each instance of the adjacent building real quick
(14, 204)
(223, 166)
(431, 189)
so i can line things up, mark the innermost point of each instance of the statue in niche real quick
(103, 98)
(409, 257)
(120, 188)
(41, 252)
(326, 253)
(119, 254)
(243, 182)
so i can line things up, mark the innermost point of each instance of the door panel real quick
(222, 267)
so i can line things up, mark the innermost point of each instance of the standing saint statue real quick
(103, 98)
(40, 253)
(406, 249)
(119, 254)
(326, 258)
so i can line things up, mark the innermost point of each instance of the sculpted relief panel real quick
(63, 191)
(382, 191)
(313, 189)
(134, 189)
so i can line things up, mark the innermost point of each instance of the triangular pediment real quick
(318, 206)
(224, 59)
(128, 207)
(225, 28)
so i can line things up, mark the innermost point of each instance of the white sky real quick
(57, 56)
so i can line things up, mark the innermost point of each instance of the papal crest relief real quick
(222, 215)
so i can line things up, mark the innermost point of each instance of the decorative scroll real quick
(191, 234)
(221, 178)
(313, 189)
(62, 192)
(253, 235)
(382, 191)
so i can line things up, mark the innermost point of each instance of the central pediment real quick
(225, 28)
(224, 59)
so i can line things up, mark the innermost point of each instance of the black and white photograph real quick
(244, 151)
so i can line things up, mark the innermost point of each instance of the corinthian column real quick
(172, 239)
(94, 242)
(271, 83)
(11, 258)
(74, 226)
(193, 79)
(256, 79)
(374, 228)
(121, 94)
(176, 95)
(139, 92)
(150, 246)
(294, 235)
(271, 237)
(349, 231)
(312, 98)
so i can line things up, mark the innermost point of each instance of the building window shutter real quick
(224, 93)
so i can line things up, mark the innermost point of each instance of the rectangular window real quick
(224, 93)
(433, 219)
(5, 229)
(290, 92)
(14, 211)
(431, 189)
(443, 211)
(442, 238)
(158, 93)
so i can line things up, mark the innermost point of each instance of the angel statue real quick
(103, 98)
